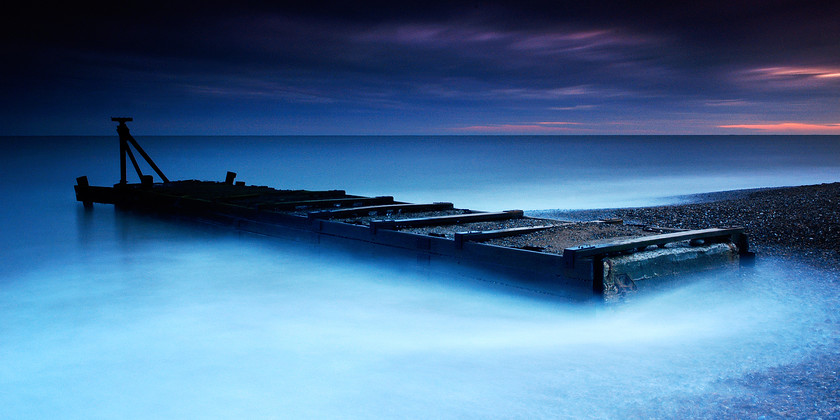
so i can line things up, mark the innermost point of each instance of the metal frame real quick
(126, 140)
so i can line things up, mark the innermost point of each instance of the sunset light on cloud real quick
(424, 68)
(792, 77)
(818, 72)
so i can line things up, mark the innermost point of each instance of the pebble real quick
(801, 224)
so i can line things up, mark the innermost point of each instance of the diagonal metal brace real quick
(126, 139)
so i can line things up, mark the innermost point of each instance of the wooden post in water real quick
(82, 183)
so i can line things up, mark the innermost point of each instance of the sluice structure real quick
(604, 259)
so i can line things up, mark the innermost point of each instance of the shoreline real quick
(801, 222)
(794, 225)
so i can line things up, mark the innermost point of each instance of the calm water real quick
(108, 314)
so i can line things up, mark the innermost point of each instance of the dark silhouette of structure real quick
(125, 140)
(601, 259)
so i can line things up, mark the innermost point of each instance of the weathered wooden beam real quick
(89, 194)
(305, 195)
(378, 210)
(329, 202)
(241, 196)
(574, 254)
(446, 220)
(461, 237)
(82, 186)
(269, 198)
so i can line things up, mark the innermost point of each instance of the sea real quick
(106, 313)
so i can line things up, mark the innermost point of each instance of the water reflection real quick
(202, 322)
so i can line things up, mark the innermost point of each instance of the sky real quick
(425, 67)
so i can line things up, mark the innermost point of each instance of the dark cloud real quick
(398, 62)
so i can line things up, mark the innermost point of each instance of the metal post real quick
(122, 130)
(123, 149)
(125, 139)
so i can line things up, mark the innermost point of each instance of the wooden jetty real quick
(605, 259)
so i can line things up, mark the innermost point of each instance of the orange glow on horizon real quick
(788, 127)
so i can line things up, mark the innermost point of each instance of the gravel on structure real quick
(556, 239)
(789, 221)
(448, 231)
(365, 220)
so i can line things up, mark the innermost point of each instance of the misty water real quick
(113, 314)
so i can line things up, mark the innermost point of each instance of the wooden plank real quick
(573, 254)
(445, 220)
(285, 196)
(329, 202)
(81, 187)
(461, 237)
(380, 209)
(297, 195)
(241, 196)
(90, 194)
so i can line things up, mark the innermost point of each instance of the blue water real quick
(107, 314)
